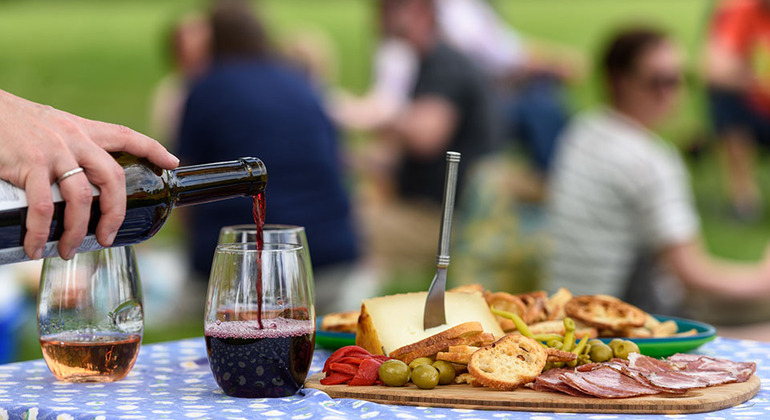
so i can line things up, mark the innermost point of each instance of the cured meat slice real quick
(550, 381)
(649, 364)
(605, 382)
(674, 381)
(622, 366)
(742, 371)
(712, 377)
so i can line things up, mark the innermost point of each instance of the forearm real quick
(697, 270)
(425, 128)
(725, 70)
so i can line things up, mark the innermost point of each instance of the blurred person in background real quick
(251, 104)
(313, 53)
(188, 51)
(450, 107)
(621, 211)
(737, 70)
(529, 74)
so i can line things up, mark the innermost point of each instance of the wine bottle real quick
(151, 193)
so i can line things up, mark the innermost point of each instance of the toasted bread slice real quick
(456, 335)
(557, 327)
(548, 327)
(459, 368)
(635, 332)
(478, 339)
(473, 289)
(459, 358)
(508, 363)
(556, 355)
(463, 349)
(602, 311)
(665, 329)
(506, 302)
(535, 303)
(466, 378)
(554, 307)
(341, 321)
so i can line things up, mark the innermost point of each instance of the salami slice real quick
(648, 364)
(550, 381)
(605, 382)
(675, 381)
(742, 371)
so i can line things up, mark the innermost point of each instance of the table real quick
(172, 381)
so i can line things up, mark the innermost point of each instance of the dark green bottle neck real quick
(199, 184)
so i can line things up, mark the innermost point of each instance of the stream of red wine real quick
(258, 210)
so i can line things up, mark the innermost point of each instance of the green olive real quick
(620, 348)
(420, 361)
(446, 373)
(600, 353)
(394, 373)
(632, 347)
(425, 376)
(595, 341)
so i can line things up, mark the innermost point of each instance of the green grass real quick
(101, 59)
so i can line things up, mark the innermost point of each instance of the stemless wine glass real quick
(260, 320)
(90, 316)
(271, 233)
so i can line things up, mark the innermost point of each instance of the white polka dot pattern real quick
(173, 381)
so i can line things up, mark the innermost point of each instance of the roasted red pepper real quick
(336, 379)
(353, 360)
(353, 351)
(367, 373)
(344, 368)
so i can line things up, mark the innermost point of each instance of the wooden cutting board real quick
(466, 396)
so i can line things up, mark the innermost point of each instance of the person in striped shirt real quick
(621, 212)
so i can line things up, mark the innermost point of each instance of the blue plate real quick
(666, 346)
(332, 340)
(655, 347)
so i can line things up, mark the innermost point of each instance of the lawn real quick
(101, 59)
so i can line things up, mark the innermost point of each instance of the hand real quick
(40, 143)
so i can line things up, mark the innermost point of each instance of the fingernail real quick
(38, 254)
(176, 159)
(111, 238)
(70, 255)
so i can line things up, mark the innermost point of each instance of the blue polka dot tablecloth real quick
(173, 381)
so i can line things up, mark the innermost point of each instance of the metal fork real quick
(434, 314)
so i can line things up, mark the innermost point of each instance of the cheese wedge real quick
(390, 322)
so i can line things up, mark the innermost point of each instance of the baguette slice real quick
(556, 355)
(555, 305)
(508, 363)
(341, 321)
(557, 327)
(459, 358)
(472, 289)
(467, 378)
(463, 349)
(478, 339)
(457, 335)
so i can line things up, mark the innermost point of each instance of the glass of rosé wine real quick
(260, 320)
(90, 315)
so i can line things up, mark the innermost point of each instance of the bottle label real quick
(17, 254)
(13, 197)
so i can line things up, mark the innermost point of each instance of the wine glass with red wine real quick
(271, 233)
(90, 316)
(260, 320)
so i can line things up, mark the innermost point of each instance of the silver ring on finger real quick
(69, 173)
